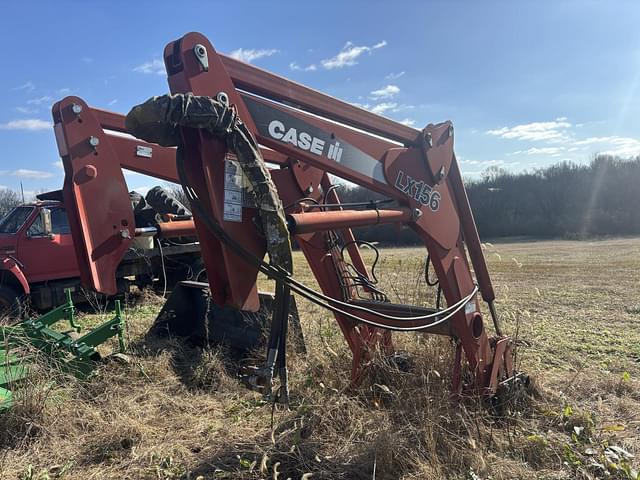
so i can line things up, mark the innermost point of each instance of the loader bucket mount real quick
(21, 344)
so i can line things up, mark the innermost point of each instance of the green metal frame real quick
(76, 356)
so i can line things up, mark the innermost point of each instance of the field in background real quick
(177, 412)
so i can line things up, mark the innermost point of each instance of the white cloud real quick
(560, 131)
(112, 102)
(386, 92)
(308, 68)
(365, 106)
(394, 76)
(155, 66)
(40, 100)
(26, 124)
(64, 91)
(614, 145)
(481, 162)
(29, 87)
(383, 107)
(348, 55)
(26, 110)
(593, 140)
(25, 173)
(553, 151)
(58, 164)
(554, 131)
(249, 55)
(409, 122)
(86, 59)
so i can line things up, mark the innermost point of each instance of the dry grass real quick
(178, 412)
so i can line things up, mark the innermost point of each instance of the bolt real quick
(76, 109)
(200, 50)
(450, 131)
(417, 213)
(125, 233)
(94, 141)
(309, 190)
(223, 98)
(428, 139)
(441, 173)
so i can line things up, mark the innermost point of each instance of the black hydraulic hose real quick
(434, 283)
(285, 297)
(374, 281)
(426, 273)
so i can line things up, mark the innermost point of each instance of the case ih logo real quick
(418, 190)
(304, 140)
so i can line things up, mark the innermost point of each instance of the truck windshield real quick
(12, 222)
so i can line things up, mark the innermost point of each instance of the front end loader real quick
(255, 154)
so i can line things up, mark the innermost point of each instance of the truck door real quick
(48, 257)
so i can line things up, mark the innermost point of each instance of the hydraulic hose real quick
(318, 298)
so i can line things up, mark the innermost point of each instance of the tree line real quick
(566, 200)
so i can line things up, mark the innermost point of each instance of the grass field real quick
(176, 412)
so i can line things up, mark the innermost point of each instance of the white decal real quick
(276, 129)
(304, 140)
(420, 191)
(470, 307)
(233, 191)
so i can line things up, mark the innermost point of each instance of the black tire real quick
(10, 304)
(164, 202)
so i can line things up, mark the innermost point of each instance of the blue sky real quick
(527, 84)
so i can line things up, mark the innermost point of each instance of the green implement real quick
(21, 343)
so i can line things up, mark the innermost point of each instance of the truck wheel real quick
(10, 305)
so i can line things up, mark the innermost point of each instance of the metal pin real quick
(223, 98)
(200, 52)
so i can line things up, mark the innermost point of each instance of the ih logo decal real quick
(418, 190)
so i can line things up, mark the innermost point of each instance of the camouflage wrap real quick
(159, 119)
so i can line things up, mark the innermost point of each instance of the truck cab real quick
(33, 251)
(38, 259)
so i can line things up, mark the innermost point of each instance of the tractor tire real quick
(144, 215)
(164, 202)
(10, 304)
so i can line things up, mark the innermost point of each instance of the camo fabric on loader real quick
(159, 119)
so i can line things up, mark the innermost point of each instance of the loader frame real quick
(416, 168)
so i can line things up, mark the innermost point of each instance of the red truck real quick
(38, 259)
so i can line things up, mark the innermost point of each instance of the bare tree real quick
(8, 200)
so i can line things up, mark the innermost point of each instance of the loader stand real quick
(30, 340)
